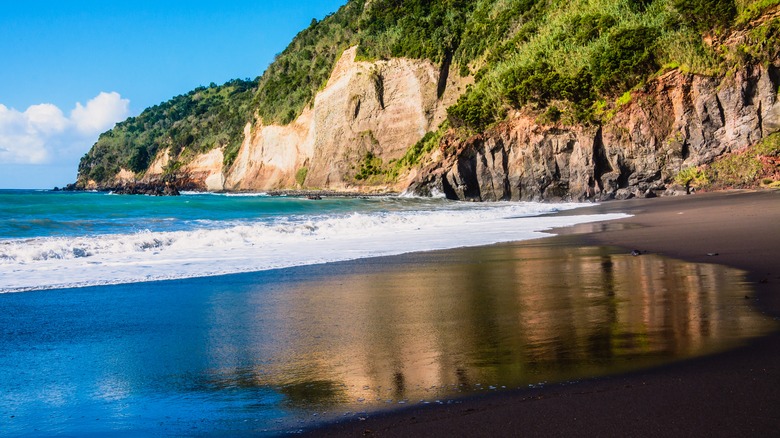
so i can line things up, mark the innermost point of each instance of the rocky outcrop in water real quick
(676, 121)
(149, 189)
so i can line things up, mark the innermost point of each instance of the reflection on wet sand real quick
(503, 316)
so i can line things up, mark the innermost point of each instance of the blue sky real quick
(71, 69)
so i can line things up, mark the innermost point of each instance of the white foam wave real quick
(44, 263)
(226, 194)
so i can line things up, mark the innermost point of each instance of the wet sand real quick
(736, 393)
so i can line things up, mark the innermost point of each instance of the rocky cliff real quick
(529, 91)
(368, 109)
(675, 121)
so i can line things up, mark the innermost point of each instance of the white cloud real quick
(42, 134)
(100, 113)
(46, 118)
(21, 138)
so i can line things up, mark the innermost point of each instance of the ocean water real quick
(290, 337)
(61, 239)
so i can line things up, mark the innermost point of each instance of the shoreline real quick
(725, 394)
(160, 190)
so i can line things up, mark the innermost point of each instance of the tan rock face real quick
(207, 168)
(157, 167)
(270, 156)
(382, 108)
(202, 172)
(124, 176)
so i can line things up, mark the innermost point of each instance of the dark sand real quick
(736, 393)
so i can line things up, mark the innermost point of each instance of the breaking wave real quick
(224, 247)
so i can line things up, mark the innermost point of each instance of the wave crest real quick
(278, 242)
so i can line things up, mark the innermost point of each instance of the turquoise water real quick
(30, 213)
(52, 240)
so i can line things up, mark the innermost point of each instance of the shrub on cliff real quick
(705, 15)
(475, 110)
(423, 29)
(303, 68)
(428, 143)
(626, 61)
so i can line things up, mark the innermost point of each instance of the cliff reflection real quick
(501, 316)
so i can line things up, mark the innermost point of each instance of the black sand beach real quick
(734, 393)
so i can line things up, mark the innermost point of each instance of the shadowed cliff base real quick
(657, 143)
(728, 394)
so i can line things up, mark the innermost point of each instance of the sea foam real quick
(244, 246)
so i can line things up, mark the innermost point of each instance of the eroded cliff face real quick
(381, 108)
(677, 121)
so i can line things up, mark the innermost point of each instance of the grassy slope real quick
(758, 165)
(565, 59)
(579, 56)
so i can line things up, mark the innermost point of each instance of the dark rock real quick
(149, 189)
(675, 190)
(626, 193)
(676, 121)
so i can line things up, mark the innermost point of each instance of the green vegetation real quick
(748, 10)
(188, 124)
(584, 52)
(756, 165)
(761, 44)
(422, 29)
(303, 68)
(300, 175)
(769, 147)
(706, 15)
(371, 167)
(565, 60)
(423, 147)
(627, 61)
(581, 52)
(692, 177)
